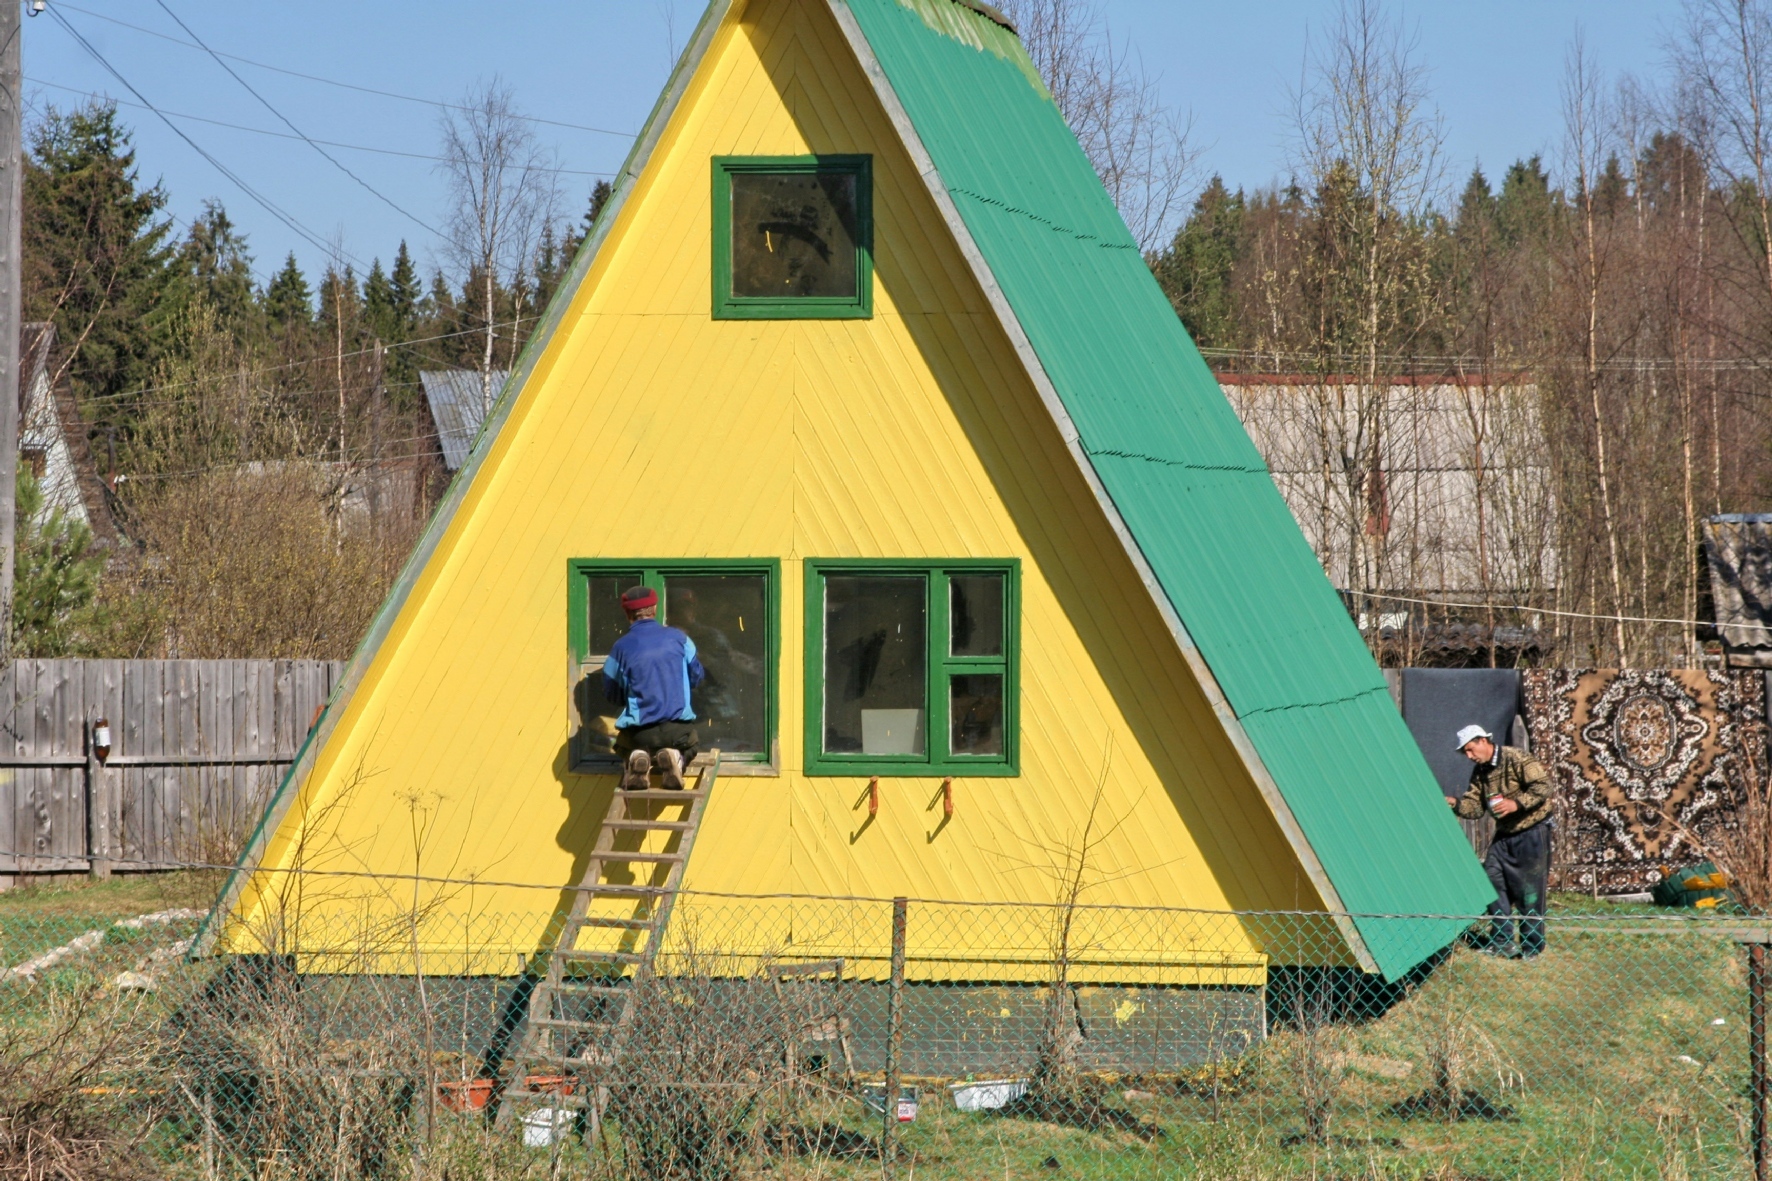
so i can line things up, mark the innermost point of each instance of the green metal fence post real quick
(1756, 1051)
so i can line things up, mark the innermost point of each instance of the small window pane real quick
(605, 621)
(975, 621)
(794, 234)
(875, 665)
(725, 615)
(975, 710)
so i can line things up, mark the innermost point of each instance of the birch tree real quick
(1138, 146)
(503, 192)
(1367, 140)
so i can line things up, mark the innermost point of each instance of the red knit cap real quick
(638, 598)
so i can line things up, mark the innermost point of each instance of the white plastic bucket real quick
(988, 1094)
(544, 1126)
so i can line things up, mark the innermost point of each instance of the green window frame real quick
(941, 664)
(585, 667)
(728, 306)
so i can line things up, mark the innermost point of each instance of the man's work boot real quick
(670, 768)
(639, 768)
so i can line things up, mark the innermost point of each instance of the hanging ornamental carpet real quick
(1646, 765)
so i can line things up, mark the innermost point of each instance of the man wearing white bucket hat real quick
(1513, 786)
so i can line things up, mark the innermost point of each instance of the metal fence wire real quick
(841, 1037)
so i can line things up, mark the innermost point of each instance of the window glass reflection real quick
(794, 234)
(875, 664)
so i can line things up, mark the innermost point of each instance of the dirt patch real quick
(825, 1140)
(1071, 1113)
(1471, 1105)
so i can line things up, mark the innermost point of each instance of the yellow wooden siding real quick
(649, 430)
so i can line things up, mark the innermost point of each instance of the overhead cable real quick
(410, 98)
(331, 143)
(300, 134)
(1380, 597)
(264, 202)
(476, 330)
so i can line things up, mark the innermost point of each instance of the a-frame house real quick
(861, 368)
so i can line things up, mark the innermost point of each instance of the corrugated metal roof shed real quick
(1181, 472)
(456, 398)
(1738, 551)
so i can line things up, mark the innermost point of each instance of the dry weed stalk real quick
(1743, 849)
(1318, 1064)
(707, 1060)
(1457, 1050)
(56, 1124)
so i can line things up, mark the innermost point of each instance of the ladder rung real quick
(609, 957)
(619, 924)
(631, 823)
(557, 1060)
(611, 889)
(662, 793)
(571, 989)
(570, 1102)
(654, 857)
(562, 1023)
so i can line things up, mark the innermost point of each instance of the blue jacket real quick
(649, 673)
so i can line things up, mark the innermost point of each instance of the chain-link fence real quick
(794, 1036)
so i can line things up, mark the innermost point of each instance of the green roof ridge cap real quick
(981, 26)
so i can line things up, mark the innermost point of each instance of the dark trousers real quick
(1519, 867)
(656, 737)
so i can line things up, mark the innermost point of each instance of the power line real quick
(266, 103)
(264, 202)
(331, 143)
(477, 330)
(429, 102)
(1452, 365)
(1380, 597)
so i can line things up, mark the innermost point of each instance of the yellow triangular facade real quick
(648, 429)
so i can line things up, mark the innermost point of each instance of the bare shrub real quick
(253, 559)
(1318, 1064)
(55, 1121)
(709, 1062)
(260, 1060)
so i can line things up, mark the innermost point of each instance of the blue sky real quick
(1494, 66)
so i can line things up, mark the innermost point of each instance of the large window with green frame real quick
(912, 667)
(793, 238)
(728, 607)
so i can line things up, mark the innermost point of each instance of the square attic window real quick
(793, 238)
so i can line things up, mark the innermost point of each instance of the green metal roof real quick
(1183, 475)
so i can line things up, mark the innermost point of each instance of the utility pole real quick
(12, 142)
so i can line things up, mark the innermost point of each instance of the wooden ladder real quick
(581, 1012)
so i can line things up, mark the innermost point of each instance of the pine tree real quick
(57, 576)
(378, 303)
(216, 265)
(599, 197)
(287, 300)
(1195, 272)
(1612, 193)
(552, 260)
(1477, 205)
(406, 290)
(96, 259)
(1526, 209)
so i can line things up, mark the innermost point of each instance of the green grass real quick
(34, 919)
(75, 898)
(1606, 1048)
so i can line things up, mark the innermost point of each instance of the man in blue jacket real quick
(649, 673)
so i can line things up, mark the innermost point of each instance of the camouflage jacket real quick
(1520, 777)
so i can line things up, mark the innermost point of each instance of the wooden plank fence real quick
(197, 746)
